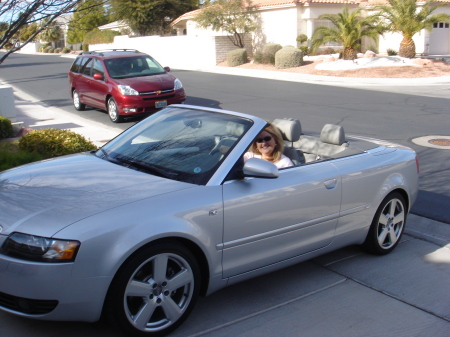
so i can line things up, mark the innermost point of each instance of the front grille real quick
(158, 98)
(26, 305)
(159, 92)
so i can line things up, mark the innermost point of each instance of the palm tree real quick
(348, 30)
(52, 33)
(407, 18)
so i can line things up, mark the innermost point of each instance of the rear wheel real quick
(76, 101)
(387, 226)
(113, 111)
(155, 291)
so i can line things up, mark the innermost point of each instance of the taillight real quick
(417, 164)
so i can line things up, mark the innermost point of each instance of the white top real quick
(283, 162)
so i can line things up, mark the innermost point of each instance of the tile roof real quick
(271, 3)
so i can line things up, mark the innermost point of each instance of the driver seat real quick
(291, 131)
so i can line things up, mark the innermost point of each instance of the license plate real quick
(160, 104)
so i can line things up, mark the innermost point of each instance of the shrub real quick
(6, 129)
(237, 57)
(304, 49)
(85, 47)
(57, 50)
(54, 142)
(391, 52)
(258, 56)
(288, 57)
(66, 50)
(48, 49)
(269, 51)
(329, 50)
(302, 38)
(11, 156)
(97, 36)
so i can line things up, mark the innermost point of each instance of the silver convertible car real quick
(169, 210)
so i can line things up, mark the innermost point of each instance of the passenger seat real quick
(332, 140)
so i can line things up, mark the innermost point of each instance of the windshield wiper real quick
(106, 155)
(140, 166)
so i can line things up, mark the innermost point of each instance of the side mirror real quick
(260, 168)
(98, 77)
(167, 69)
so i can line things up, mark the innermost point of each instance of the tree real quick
(349, 28)
(51, 33)
(89, 15)
(408, 18)
(19, 13)
(28, 31)
(148, 17)
(235, 17)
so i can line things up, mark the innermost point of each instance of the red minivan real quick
(123, 82)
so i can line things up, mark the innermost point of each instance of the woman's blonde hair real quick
(279, 147)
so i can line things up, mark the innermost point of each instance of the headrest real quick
(235, 129)
(290, 128)
(332, 134)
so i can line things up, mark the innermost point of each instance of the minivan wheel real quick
(113, 112)
(76, 101)
(154, 291)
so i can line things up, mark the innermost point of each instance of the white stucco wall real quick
(186, 52)
(30, 48)
(393, 40)
(277, 26)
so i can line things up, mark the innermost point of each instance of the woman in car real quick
(269, 146)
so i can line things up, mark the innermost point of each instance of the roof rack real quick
(100, 52)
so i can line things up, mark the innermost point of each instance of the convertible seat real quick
(291, 131)
(309, 145)
(223, 145)
(332, 140)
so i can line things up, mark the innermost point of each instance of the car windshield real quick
(178, 143)
(133, 67)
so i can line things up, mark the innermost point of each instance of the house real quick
(281, 21)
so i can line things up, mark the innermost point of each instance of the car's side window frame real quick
(98, 68)
(76, 65)
(87, 65)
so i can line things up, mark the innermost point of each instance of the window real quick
(86, 70)
(441, 25)
(76, 65)
(98, 68)
(329, 24)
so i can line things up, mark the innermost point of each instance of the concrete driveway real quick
(345, 293)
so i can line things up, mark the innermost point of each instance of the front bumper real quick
(48, 291)
(131, 105)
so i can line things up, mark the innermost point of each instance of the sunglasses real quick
(265, 139)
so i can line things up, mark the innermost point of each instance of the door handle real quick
(330, 184)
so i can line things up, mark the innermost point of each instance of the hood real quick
(149, 83)
(45, 197)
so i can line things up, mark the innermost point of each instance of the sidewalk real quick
(36, 116)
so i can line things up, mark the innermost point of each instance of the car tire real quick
(154, 291)
(113, 111)
(387, 226)
(76, 101)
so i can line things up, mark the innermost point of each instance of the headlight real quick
(36, 248)
(177, 84)
(127, 90)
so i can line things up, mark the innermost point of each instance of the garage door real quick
(440, 39)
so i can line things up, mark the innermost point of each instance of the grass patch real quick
(11, 156)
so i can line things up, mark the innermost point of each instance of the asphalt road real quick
(382, 113)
